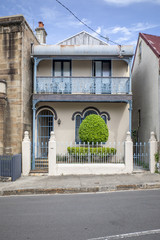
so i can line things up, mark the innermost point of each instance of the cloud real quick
(126, 35)
(129, 2)
(98, 31)
(129, 30)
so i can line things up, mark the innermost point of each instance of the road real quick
(129, 215)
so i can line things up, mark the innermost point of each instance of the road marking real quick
(128, 235)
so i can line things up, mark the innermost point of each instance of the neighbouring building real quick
(74, 78)
(146, 87)
(16, 39)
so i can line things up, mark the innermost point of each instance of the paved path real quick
(75, 184)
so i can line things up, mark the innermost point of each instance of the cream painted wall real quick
(81, 68)
(120, 68)
(44, 68)
(65, 132)
(145, 92)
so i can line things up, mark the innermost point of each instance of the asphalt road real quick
(115, 215)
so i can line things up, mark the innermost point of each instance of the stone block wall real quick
(15, 68)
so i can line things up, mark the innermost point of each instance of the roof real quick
(152, 41)
(82, 38)
(82, 50)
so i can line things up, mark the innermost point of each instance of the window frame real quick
(62, 67)
(102, 61)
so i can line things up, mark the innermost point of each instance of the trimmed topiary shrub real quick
(93, 129)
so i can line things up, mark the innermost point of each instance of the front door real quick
(45, 122)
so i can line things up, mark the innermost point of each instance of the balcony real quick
(82, 85)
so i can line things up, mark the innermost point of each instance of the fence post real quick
(26, 154)
(52, 155)
(129, 153)
(153, 150)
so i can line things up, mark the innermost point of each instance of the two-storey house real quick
(81, 75)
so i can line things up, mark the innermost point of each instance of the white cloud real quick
(98, 30)
(129, 31)
(128, 2)
(126, 35)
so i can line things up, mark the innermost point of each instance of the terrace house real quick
(79, 76)
(146, 87)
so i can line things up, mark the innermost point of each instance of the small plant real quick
(93, 129)
(157, 157)
(157, 162)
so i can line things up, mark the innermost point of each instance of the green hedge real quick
(92, 150)
(93, 129)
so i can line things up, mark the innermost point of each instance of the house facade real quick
(146, 87)
(81, 75)
(16, 38)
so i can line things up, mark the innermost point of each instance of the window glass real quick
(102, 68)
(104, 118)
(62, 68)
(78, 123)
(106, 69)
(98, 68)
(66, 69)
(57, 69)
(88, 113)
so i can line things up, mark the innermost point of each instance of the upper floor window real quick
(102, 68)
(61, 68)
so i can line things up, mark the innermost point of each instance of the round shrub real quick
(93, 129)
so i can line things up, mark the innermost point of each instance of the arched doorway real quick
(45, 124)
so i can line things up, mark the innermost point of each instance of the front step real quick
(39, 172)
(41, 163)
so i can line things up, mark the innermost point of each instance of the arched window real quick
(89, 112)
(45, 124)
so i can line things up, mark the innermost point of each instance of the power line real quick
(106, 38)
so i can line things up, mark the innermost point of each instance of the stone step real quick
(39, 170)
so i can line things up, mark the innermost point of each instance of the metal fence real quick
(141, 155)
(10, 166)
(76, 85)
(83, 153)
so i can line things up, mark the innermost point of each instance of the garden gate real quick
(141, 156)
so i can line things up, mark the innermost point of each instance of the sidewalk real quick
(78, 184)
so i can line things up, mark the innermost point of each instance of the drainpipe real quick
(130, 72)
(35, 74)
(130, 116)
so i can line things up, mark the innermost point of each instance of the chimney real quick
(41, 33)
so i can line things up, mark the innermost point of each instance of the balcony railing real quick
(83, 85)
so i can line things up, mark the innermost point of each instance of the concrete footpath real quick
(79, 184)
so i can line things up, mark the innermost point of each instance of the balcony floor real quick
(82, 97)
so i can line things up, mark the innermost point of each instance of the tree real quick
(93, 129)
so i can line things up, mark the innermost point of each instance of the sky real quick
(119, 20)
